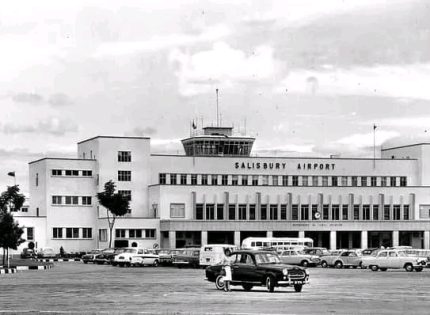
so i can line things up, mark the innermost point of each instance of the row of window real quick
(281, 180)
(72, 200)
(298, 212)
(72, 233)
(85, 173)
(134, 233)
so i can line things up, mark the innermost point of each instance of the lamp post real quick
(154, 209)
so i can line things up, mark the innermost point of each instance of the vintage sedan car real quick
(393, 259)
(106, 256)
(165, 255)
(295, 257)
(28, 253)
(187, 257)
(259, 268)
(423, 253)
(349, 258)
(91, 256)
(316, 251)
(130, 257)
(47, 252)
(145, 257)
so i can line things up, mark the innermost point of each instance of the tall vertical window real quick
(275, 180)
(193, 179)
(224, 180)
(375, 212)
(252, 212)
(103, 235)
(37, 179)
(363, 181)
(204, 179)
(383, 181)
(325, 212)
(265, 181)
(283, 212)
(30, 234)
(232, 212)
(305, 181)
(294, 212)
(87, 233)
(366, 212)
(325, 180)
(356, 212)
(344, 180)
(403, 181)
(263, 212)
(57, 232)
(220, 211)
(199, 211)
(254, 180)
(214, 179)
(314, 180)
(396, 212)
(392, 181)
(344, 212)
(124, 176)
(273, 212)
(314, 211)
(210, 212)
(162, 178)
(373, 181)
(295, 180)
(334, 181)
(406, 212)
(183, 179)
(335, 215)
(124, 156)
(244, 180)
(173, 178)
(386, 212)
(354, 181)
(284, 180)
(234, 180)
(304, 212)
(242, 212)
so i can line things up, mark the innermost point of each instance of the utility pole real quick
(217, 109)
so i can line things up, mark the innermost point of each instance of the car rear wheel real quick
(270, 283)
(155, 263)
(374, 268)
(298, 287)
(419, 269)
(409, 268)
(247, 287)
(219, 282)
(338, 264)
(324, 264)
(304, 263)
(85, 261)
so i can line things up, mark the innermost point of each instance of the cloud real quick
(285, 149)
(52, 125)
(406, 81)
(362, 140)
(222, 65)
(31, 98)
(157, 43)
(59, 99)
(143, 132)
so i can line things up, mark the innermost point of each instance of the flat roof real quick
(405, 146)
(113, 137)
(217, 137)
(64, 159)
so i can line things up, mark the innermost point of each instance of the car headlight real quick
(307, 272)
(285, 272)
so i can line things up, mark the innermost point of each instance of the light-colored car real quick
(349, 258)
(149, 257)
(47, 252)
(134, 256)
(295, 257)
(393, 259)
(91, 256)
(423, 253)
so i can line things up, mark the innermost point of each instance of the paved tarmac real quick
(78, 288)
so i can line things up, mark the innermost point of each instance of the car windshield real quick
(267, 258)
(130, 250)
(401, 254)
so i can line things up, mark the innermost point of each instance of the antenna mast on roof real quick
(217, 116)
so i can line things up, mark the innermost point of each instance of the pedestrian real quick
(226, 262)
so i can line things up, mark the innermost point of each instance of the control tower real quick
(217, 141)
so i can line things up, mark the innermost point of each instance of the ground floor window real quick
(57, 232)
(87, 233)
(30, 234)
(103, 235)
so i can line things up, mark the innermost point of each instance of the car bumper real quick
(288, 282)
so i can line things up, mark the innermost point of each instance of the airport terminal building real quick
(219, 193)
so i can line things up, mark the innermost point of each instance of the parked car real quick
(91, 256)
(350, 258)
(28, 253)
(214, 253)
(295, 257)
(145, 257)
(187, 257)
(106, 256)
(393, 259)
(259, 268)
(317, 251)
(165, 256)
(47, 252)
(423, 253)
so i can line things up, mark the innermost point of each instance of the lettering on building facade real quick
(282, 166)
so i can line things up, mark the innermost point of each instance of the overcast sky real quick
(309, 77)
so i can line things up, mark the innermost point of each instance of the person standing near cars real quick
(226, 263)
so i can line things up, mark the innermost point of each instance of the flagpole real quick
(217, 108)
(374, 145)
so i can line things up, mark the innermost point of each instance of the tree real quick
(11, 200)
(116, 205)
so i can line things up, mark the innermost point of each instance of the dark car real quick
(91, 256)
(28, 253)
(106, 256)
(260, 268)
(187, 257)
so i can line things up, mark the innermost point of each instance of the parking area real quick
(77, 287)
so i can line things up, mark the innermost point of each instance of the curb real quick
(34, 267)
(7, 270)
(59, 259)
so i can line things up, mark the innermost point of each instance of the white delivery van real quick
(214, 253)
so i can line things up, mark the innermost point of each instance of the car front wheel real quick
(324, 264)
(374, 268)
(270, 283)
(305, 263)
(409, 268)
(155, 263)
(298, 287)
(219, 282)
(338, 264)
